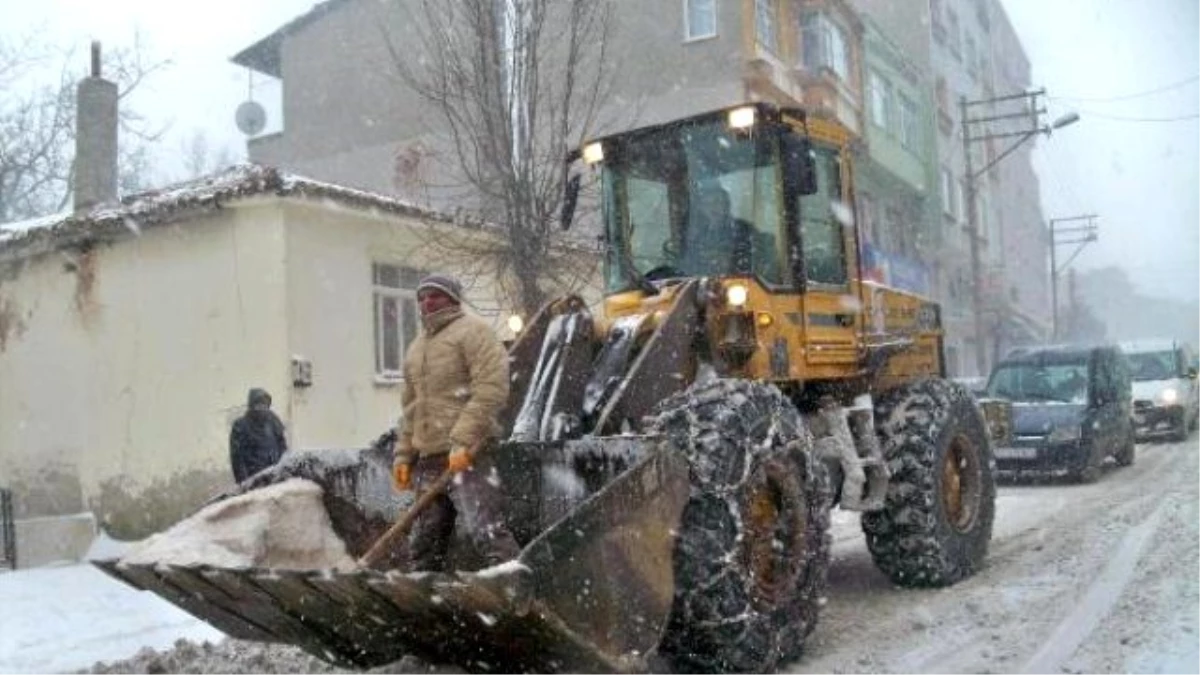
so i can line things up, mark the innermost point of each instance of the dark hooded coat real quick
(257, 440)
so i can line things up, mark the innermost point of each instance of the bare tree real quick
(200, 158)
(37, 123)
(513, 84)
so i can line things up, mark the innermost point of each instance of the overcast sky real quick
(1140, 177)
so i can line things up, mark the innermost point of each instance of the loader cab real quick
(744, 192)
(756, 201)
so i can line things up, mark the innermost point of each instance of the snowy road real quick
(1080, 578)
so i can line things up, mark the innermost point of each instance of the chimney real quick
(95, 139)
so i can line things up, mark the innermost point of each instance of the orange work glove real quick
(401, 476)
(459, 460)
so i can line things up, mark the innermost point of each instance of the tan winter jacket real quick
(455, 385)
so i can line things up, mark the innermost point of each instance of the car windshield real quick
(1150, 366)
(1061, 382)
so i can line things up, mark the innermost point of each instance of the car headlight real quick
(1067, 432)
(1168, 396)
(736, 295)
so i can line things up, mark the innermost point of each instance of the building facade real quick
(349, 117)
(893, 73)
(974, 55)
(130, 337)
(896, 178)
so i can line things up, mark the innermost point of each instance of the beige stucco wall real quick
(117, 393)
(331, 321)
(120, 378)
(330, 251)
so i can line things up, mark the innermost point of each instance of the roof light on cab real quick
(593, 152)
(742, 118)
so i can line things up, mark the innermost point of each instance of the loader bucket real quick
(592, 592)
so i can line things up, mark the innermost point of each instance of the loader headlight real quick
(1065, 433)
(516, 323)
(1168, 396)
(736, 295)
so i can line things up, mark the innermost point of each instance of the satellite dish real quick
(250, 118)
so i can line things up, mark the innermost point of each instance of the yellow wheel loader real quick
(670, 465)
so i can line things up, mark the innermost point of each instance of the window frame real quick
(768, 9)
(687, 21)
(403, 295)
(908, 123)
(818, 27)
(949, 193)
(954, 36)
(878, 86)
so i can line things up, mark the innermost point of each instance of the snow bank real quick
(62, 619)
(281, 526)
(233, 657)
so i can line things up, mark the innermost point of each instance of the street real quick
(1080, 578)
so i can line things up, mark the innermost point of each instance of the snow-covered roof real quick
(172, 202)
(1147, 346)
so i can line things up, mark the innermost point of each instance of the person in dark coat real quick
(256, 440)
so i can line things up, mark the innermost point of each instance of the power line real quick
(1150, 92)
(1119, 118)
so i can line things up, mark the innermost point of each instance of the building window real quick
(909, 123)
(699, 19)
(953, 38)
(764, 25)
(961, 201)
(396, 321)
(949, 194)
(942, 94)
(825, 45)
(866, 219)
(971, 57)
(880, 93)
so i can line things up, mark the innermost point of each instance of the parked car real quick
(1166, 399)
(1071, 409)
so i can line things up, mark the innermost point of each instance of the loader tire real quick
(936, 522)
(752, 547)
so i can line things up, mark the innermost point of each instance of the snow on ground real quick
(1095, 578)
(1080, 578)
(60, 619)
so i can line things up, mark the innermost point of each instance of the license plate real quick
(1016, 453)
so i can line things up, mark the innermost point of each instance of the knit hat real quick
(444, 283)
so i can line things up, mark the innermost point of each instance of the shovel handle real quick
(402, 526)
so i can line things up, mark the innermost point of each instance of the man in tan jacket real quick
(455, 385)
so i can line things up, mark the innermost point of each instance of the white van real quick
(1166, 398)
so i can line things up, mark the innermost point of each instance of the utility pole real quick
(1079, 234)
(1016, 116)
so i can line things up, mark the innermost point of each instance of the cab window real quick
(820, 229)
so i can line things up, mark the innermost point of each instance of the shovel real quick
(402, 526)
